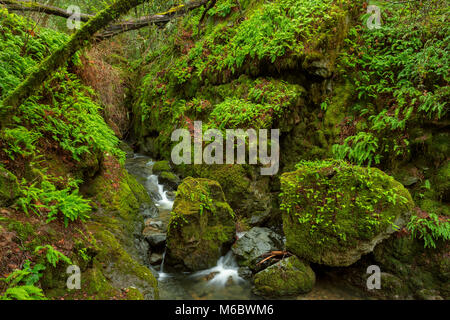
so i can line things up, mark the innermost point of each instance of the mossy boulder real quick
(115, 230)
(334, 212)
(9, 187)
(201, 227)
(289, 277)
(121, 270)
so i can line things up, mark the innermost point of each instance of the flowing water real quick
(219, 282)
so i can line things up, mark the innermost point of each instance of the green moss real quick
(331, 207)
(442, 182)
(201, 225)
(122, 198)
(9, 187)
(336, 109)
(169, 176)
(134, 294)
(289, 277)
(118, 266)
(161, 166)
(234, 179)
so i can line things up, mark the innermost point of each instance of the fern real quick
(53, 256)
(23, 293)
(429, 229)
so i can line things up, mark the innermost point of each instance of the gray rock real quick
(156, 240)
(245, 272)
(155, 259)
(255, 243)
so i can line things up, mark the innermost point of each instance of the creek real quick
(220, 282)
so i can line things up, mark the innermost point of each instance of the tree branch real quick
(113, 29)
(13, 5)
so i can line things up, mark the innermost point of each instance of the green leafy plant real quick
(48, 199)
(360, 149)
(52, 255)
(430, 229)
(23, 293)
(28, 275)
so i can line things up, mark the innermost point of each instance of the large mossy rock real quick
(201, 227)
(335, 212)
(119, 251)
(251, 247)
(9, 187)
(288, 277)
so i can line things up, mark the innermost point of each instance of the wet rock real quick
(170, 195)
(156, 240)
(245, 273)
(288, 277)
(149, 211)
(169, 180)
(201, 226)
(335, 212)
(155, 259)
(154, 224)
(250, 248)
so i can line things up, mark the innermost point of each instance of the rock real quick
(335, 212)
(155, 259)
(149, 210)
(9, 187)
(415, 266)
(392, 286)
(125, 147)
(288, 277)
(168, 179)
(154, 224)
(245, 273)
(156, 240)
(201, 226)
(256, 242)
(260, 218)
(161, 166)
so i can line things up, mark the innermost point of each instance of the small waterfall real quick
(225, 270)
(163, 202)
(161, 273)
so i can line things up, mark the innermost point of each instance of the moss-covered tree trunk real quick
(43, 71)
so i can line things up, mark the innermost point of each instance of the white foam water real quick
(225, 270)
(164, 202)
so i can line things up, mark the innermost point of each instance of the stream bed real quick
(220, 282)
